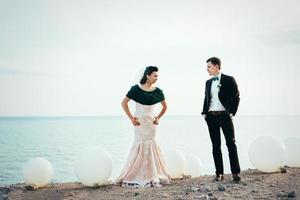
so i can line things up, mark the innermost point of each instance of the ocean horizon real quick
(60, 138)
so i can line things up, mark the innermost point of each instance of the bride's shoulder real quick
(159, 90)
(134, 87)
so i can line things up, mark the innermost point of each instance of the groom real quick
(220, 105)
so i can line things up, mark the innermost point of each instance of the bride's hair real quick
(148, 71)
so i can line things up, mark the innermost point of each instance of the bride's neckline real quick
(139, 86)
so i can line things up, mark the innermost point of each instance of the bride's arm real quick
(125, 107)
(162, 112)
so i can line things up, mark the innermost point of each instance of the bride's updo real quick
(148, 71)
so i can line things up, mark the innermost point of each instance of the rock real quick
(282, 194)
(136, 194)
(202, 197)
(165, 195)
(244, 184)
(180, 197)
(4, 190)
(283, 170)
(292, 194)
(194, 189)
(210, 194)
(31, 188)
(4, 197)
(221, 188)
(213, 198)
(205, 188)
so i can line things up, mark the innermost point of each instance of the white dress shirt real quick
(215, 103)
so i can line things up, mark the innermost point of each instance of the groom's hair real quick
(214, 61)
(148, 71)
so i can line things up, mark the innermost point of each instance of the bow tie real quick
(215, 78)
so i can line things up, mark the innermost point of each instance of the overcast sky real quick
(80, 57)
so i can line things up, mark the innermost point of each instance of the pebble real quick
(221, 188)
(165, 195)
(202, 197)
(210, 194)
(291, 194)
(283, 170)
(4, 197)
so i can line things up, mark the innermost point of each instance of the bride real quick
(145, 165)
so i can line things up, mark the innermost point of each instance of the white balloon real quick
(292, 150)
(267, 154)
(93, 166)
(194, 166)
(37, 172)
(175, 162)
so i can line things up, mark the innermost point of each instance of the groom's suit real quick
(227, 94)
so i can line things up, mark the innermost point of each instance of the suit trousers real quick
(224, 122)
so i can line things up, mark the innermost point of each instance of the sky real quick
(79, 58)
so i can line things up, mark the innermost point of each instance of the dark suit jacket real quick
(229, 95)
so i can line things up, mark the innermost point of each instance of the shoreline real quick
(254, 185)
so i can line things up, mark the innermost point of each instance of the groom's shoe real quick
(236, 177)
(219, 177)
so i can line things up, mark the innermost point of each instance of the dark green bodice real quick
(145, 97)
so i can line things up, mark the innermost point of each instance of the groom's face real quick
(212, 69)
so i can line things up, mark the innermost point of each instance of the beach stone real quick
(4, 190)
(195, 189)
(283, 170)
(282, 194)
(165, 195)
(292, 194)
(210, 194)
(221, 188)
(180, 197)
(29, 187)
(136, 194)
(205, 188)
(202, 197)
(4, 197)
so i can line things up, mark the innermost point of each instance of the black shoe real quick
(219, 177)
(236, 177)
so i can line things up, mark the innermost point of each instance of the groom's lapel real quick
(209, 88)
(221, 82)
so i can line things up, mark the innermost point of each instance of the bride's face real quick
(152, 78)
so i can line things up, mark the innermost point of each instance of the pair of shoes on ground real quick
(235, 177)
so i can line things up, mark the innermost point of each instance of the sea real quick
(61, 139)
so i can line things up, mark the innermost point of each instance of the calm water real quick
(59, 139)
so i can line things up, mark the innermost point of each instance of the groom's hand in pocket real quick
(135, 121)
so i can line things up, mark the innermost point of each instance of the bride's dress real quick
(145, 166)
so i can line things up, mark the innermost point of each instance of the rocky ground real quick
(254, 185)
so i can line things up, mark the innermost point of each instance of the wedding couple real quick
(145, 165)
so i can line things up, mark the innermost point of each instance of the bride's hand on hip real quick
(135, 121)
(156, 121)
